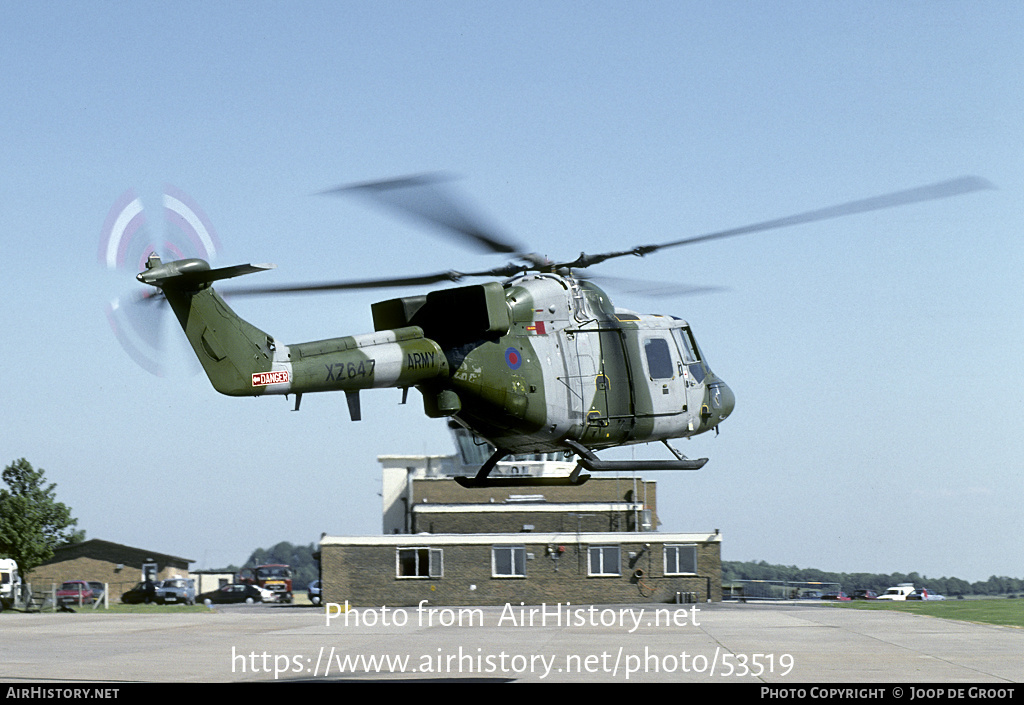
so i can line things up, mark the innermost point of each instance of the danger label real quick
(262, 379)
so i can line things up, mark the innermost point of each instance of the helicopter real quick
(536, 360)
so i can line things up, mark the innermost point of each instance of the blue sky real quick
(875, 359)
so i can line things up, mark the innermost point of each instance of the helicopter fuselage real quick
(542, 362)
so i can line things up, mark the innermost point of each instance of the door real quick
(666, 374)
(601, 390)
(694, 371)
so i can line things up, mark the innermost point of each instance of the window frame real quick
(677, 548)
(434, 567)
(602, 571)
(514, 550)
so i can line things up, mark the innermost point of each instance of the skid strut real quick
(482, 480)
(588, 460)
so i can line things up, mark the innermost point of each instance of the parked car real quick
(924, 594)
(864, 595)
(810, 595)
(840, 595)
(76, 592)
(142, 593)
(314, 592)
(235, 593)
(176, 591)
(135, 596)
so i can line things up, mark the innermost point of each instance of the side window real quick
(659, 359)
(508, 562)
(419, 562)
(603, 560)
(680, 559)
(691, 353)
(685, 346)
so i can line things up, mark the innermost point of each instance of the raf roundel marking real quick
(513, 358)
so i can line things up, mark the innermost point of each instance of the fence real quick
(32, 599)
(776, 590)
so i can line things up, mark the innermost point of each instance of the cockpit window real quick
(687, 345)
(659, 359)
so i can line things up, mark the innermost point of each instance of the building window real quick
(680, 559)
(420, 562)
(604, 560)
(508, 562)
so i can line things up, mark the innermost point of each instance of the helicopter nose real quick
(723, 401)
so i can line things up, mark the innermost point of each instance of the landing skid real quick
(482, 480)
(588, 460)
(472, 482)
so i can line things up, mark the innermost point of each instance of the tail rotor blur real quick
(126, 242)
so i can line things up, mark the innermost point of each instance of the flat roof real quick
(559, 537)
(506, 507)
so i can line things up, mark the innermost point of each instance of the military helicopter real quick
(540, 361)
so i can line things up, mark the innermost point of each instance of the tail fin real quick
(230, 349)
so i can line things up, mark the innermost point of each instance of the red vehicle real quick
(275, 577)
(841, 596)
(78, 592)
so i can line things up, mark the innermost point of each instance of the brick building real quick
(590, 544)
(494, 569)
(120, 566)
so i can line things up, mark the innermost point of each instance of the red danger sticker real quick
(262, 379)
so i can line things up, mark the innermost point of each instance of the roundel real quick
(513, 358)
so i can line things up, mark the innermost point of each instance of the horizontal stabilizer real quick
(191, 273)
(230, 272)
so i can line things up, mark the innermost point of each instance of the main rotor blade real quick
(343, 285)
(507, 270)
(931, 192)
(423, 198)
(651, 287)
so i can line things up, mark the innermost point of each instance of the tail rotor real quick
(126, 243)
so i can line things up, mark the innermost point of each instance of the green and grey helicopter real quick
(540, 361)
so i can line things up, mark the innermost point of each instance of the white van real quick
(10, 583)
(899, 592)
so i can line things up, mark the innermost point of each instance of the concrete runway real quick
(768, 643)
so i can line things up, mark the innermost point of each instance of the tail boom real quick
(242, 360)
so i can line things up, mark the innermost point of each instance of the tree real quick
(32, 521)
